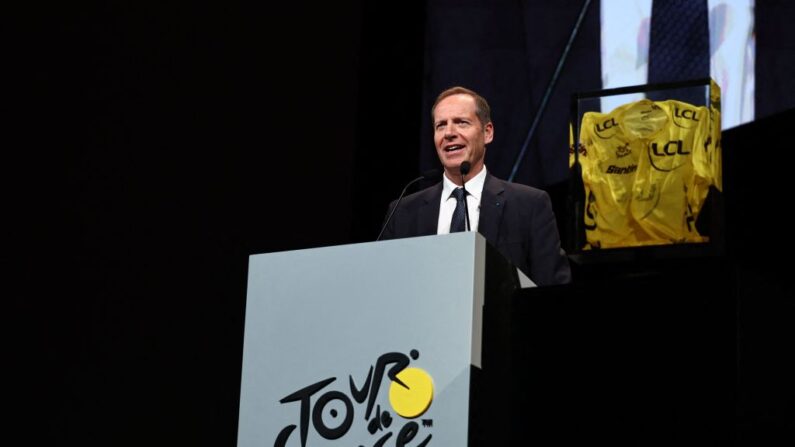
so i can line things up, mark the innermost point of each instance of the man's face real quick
(459, 135)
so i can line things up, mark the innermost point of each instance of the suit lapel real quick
(428, 214)
(492, 203)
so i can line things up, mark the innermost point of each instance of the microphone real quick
(430, 173)
(464, 168)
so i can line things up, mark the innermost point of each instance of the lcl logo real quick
(609, 124)
(688, 114)
(670, 148)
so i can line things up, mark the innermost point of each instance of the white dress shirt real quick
(474, 187)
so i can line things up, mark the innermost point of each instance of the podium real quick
(378, 343)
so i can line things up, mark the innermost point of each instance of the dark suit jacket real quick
(516, 219)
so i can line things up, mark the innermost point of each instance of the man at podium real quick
(516, 219)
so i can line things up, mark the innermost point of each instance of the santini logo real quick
(612, 169)
(410, 396)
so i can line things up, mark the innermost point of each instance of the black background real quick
(160, 145)
(154, 147)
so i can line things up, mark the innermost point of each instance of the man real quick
(516, 219)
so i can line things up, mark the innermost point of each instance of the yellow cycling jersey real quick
(647, 167)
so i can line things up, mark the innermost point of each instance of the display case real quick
(646, 170)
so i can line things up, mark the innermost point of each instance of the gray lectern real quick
(371, 344)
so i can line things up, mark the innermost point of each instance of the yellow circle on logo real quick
(415, 400)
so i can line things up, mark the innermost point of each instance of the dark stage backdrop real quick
(775, 57)
(161, 143)
(507, 51)
(157, 146)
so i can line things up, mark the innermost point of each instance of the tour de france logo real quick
(410, 392)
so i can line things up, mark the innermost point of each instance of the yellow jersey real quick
(647, 167)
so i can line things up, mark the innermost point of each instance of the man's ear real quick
(488, 130)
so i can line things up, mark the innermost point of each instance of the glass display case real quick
(646, 169)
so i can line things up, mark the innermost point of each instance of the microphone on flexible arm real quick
(430, 173)
(464, 168)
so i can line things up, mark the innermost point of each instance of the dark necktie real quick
(678, 46)
(458, 223)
